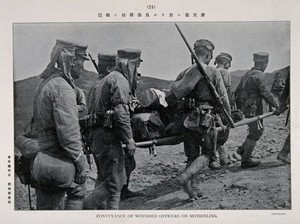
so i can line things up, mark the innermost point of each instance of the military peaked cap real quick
(80, 48)
(261, 57)
(225, 56)
(204, 43)
(130, 53)
(106, 58)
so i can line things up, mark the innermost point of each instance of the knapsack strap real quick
(37, 93)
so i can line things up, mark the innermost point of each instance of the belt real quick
(91, 121)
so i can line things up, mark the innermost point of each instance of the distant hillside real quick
(236, 77)
(24, 90)
(269, 77)
(148, 82)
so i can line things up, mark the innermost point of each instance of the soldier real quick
(191, 84)
(223, 62)
(112, 128)
(253, 85)
(283, 105)
(55, 119)
(130, 163)
(106, 63)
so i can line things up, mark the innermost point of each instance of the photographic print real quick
(226, 180)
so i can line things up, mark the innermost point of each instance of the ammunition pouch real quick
(97, 120)
(250, 109)
(200, 119)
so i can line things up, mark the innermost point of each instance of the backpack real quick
(240, 94)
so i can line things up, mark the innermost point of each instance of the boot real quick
(193, 193)
(247, 162)
(283, 158)
(192, 168)
(214, 165)
(222, 156)
(213, 162)
(126, 193)
(96, 199)
(240, 151)
(283, 154)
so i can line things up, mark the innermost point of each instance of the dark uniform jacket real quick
(257, 90)
(191, 83)
(113, 93)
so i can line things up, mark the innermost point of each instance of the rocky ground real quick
(267, 186)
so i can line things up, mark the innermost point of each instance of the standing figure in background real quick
(106, 63)
(112, 128)
(254, 89)
(223, 63)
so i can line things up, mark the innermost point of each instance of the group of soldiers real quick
(57, 103)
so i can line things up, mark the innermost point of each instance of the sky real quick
(164, 52)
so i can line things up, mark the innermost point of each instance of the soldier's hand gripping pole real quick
(209, 83)
(94, 63)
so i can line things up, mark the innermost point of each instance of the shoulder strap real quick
(37, 93)
(244, 83)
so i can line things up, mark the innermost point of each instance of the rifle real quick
(209, 83)
(94, 63)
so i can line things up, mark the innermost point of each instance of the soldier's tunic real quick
(227, 83)
(191, 84)
(111, 93)
(56, 118)
(256, 90)
(223, 136)
(91, 95)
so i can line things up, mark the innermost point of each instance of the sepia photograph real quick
(152, 116)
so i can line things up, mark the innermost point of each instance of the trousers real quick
(110, 161)
(54, 198)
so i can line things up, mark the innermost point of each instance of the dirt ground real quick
(267, 186)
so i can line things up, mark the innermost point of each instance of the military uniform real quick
(223, 136)
(256, 90)
(56, 119)
(105, 63)
(197, 89)
(112, 94)
(191, 84)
